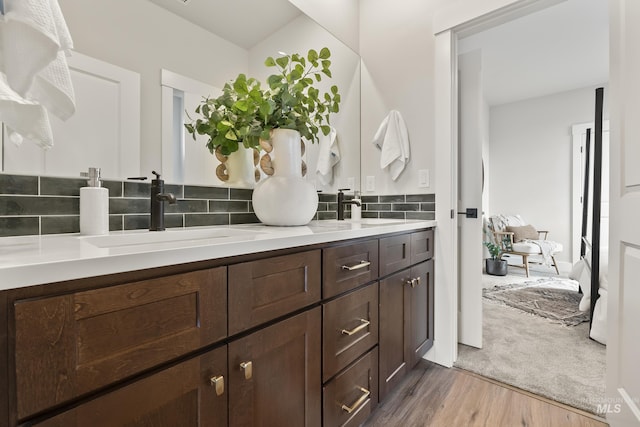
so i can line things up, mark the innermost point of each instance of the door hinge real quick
(453, 213)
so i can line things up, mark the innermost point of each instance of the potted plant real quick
(495, 265)
(245, 113)
(274, 118)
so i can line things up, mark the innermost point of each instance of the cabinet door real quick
(266, 289)
(421, 310)
(274, 374)
(97, 337)
(394, 330)
(190, 394)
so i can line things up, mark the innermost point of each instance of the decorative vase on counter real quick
(238, 168)
(284, 198)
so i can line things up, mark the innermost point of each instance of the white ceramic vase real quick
(240, 168)
(285, 198)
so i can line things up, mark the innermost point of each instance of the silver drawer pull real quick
(365, 395)
(413, 282)
(362, 264)
(363, 324)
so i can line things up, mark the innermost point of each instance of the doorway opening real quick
(528, 160)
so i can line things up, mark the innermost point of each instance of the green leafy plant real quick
(231, 119)
(246, 113)
(296, 103)
(494, 250)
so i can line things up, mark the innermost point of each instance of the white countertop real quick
(34, 260)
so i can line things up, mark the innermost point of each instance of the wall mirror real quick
(153, 37)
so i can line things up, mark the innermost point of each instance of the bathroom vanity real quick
(221, 326)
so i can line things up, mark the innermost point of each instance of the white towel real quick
(23, 117)
(392, 138)
(34, 41)
(328, 156)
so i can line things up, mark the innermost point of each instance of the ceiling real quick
(243, 22)
(561, 48)
(556, 49)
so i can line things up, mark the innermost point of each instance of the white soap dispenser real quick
(94, 205)
(356, 209)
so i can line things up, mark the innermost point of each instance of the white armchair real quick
(516, 237)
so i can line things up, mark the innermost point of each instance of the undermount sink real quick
(195, 235)
(349, 223)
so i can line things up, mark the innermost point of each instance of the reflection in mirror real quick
(180, 93)
(147, 36)
(105, 130)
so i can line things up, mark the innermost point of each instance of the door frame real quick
(577, 183)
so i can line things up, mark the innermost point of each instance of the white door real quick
(623, 341)
(470, 196)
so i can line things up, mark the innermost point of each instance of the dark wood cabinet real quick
(406, 312)
(191, 393)
(299, 337)
(394, 332)
(420, 337)
(421, 246)
(97, 337)
(348, 266)
(395, 253)
(266, 289)
(353, 394)
(350, 328)
(274, 374)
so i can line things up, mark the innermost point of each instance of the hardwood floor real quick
(435, 396)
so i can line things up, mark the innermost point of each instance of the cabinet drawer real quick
(395, 253)
(350, 328)
(347, 267)
(182, 395)
(351, 396)
(421, 246)
(266, 289)
(97, 337)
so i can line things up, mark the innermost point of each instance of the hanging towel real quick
(328, 156)
(392, 138)
(23, 118)
(34, 41)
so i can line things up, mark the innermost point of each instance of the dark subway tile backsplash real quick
(19, 226)
(31, 205)
(18, 184)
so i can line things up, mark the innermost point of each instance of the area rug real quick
(552, 298)
(540, 356)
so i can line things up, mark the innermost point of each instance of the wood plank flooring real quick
(435, 396)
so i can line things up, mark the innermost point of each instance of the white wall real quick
(339, 17)
(142, 37)
(530, 152)
(397, 49)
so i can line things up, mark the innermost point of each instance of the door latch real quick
(470, 213)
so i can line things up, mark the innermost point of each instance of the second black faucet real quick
(158, 197)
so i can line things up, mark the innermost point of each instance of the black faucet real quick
(342, 202)
(158, 197)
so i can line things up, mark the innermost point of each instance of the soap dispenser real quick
(356, 207)
(94, 205)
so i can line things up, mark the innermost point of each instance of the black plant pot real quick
(496, 267)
